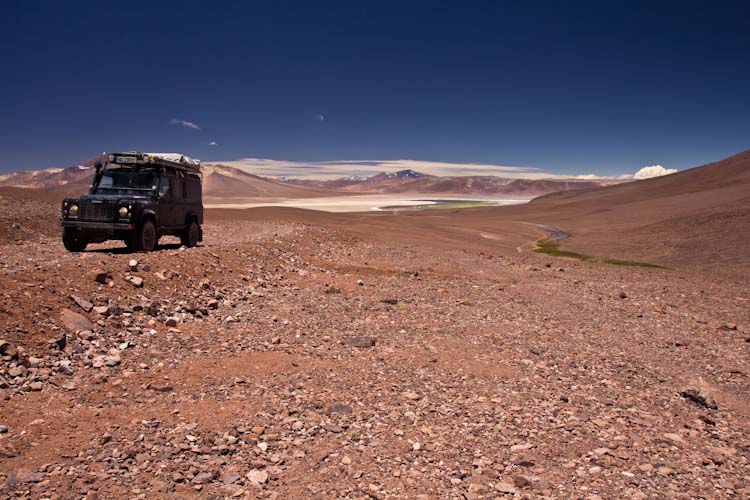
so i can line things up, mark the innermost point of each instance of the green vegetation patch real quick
(552, 247)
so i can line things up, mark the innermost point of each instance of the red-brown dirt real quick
(482, 371)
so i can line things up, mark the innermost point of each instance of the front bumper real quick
(98, 226)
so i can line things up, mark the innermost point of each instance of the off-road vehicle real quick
(137, 198)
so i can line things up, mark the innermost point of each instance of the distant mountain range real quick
(228, 184)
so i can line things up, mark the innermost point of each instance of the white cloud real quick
(184, 123)
(653, 171)
(366, 168)
(319, 117)
(212, 143)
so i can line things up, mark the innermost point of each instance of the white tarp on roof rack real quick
(177, 158)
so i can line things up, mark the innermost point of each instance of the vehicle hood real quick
(114, 198)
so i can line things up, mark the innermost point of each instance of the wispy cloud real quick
(319, 117)
(212, 143)
(343, 168)
(184, 123)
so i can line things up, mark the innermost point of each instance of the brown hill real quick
(222, 183)
(695, 219)
(228, 184)
(410, 182)
(700, 215)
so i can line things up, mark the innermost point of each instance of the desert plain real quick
(299, 354)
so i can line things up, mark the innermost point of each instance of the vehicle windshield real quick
(126, 181)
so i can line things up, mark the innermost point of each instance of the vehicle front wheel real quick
(189, 237)
(73, 240)
(145, 238)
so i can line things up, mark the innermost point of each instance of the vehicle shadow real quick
(124, 250)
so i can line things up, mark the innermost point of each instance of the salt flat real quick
(362, 203)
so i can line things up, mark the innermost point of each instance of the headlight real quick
(123, 212)
(73, 210)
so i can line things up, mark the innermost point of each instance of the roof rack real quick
(137, 159)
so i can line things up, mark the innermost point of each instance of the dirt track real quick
(456, 369)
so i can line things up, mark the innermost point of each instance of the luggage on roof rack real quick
(138, 159)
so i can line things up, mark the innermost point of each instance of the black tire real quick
(73, 240)
(146, 237)
(189, 236)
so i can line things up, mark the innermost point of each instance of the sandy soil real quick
(299, 354)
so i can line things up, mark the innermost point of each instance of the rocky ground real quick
(283, 360)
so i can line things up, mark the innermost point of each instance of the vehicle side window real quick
(164, 187)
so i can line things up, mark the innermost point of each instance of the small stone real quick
(595, 470)
(102, 310)
(413, 396)
(416, 446)
(133, 265)
(360, 283)
(257, 477)
(360, 342)
(521, 482)
(521, 447)
(171, 321)
(21, 476)
(333, 428)
(506, 488)
(203, 478)
(665, 471)
(674, 438)
(229, 319)
(112, 360)
(100, 276)
(623, 294)
(339, 408)
(74, 321)
(136, 281)
(699, 392)
(82, 303)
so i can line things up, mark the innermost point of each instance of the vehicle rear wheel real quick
(189, 237)
(145, 238)
(73, 240)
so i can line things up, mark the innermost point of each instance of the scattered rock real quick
(257, 477)
(136, 281)
(133, 265)
(521, 447)
(74, 321)
(360, 342)
(203, 478)
(82, 303)
(100, 276)
(506, 488)
(339, 408)
(699, 392)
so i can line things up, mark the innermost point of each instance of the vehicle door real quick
(166, 202)
(179, 184)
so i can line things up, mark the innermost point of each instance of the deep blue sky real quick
(570, 87)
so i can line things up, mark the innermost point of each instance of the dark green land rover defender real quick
(137, 198)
